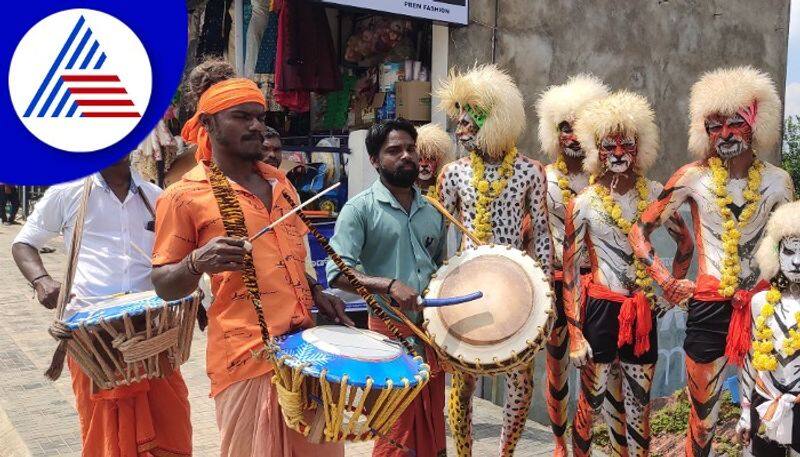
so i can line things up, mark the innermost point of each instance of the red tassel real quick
(627, 317)
(644, 323)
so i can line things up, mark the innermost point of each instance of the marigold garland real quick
(614, 211)
(488, 191)
(729, 280)
(563, 182)
(764, 358)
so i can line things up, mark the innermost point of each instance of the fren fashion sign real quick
(453, 11)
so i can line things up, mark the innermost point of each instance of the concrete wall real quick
(655, 47)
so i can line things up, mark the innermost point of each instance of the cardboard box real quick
(414, 100)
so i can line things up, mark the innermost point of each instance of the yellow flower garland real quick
(563, 182)
(488, 191)
(764, 358)
(729, 280)
(612, 208)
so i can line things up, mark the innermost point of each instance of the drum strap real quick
(58, 329)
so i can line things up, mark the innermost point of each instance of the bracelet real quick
(389, 288)
(33, 281)
(191, 265)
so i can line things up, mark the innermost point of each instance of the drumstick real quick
(141, 251)
(452, 219)
(294, 210)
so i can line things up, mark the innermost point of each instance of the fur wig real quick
(784, 221)
(624, 112)
(492, 91)
(563, 103)
(725, 91)
(434, 143)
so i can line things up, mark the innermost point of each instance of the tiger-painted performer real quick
(435, 149)
(491, 190)
(612, 311)
(557, 108)
(772, 369)
(734, 113)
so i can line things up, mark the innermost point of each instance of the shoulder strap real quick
(146, 201)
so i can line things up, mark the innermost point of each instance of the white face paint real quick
(467, 131)
(789, 255)
(617, 153)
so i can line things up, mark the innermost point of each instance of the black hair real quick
(379, 132)
(271, 133)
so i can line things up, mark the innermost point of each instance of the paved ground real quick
(37, 417)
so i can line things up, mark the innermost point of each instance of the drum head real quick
(510, 318)
(113, 308)
(359, 354)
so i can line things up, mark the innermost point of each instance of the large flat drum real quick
(503, 329)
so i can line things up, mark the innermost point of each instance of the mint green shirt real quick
(374, 231)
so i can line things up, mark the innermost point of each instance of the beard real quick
(574, 153)
(729, 149)
(619, 166)
(402, 176)
(425, 173)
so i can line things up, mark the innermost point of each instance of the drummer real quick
(145, 418)
(399, 239)
(191, 239)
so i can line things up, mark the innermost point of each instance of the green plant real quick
(672, 419)
(790, 158)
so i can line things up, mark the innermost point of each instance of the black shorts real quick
(763, 446)
(601, 330)
(707, 330)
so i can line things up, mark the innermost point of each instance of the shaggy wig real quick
(621, 112)
(563, 103)
(784, 222)
(726, 91)
(490, 90)
(434, 143)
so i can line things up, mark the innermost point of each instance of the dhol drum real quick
(131, 337)
(339, 383)
(500, 331)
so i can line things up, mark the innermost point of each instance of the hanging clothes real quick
(216, 29)
(265, 63)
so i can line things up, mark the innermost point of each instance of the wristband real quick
(389, 288)
(33, 281)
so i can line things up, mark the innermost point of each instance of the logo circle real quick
(46, 155)
(80, 80)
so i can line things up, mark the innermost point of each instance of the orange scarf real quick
(635, 318)
(219, 97)
(738, 342)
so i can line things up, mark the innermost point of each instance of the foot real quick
(561, 448)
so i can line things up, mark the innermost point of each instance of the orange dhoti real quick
(146, 419)
(421, 426)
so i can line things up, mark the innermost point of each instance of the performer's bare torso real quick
(525, 192)
(596, 233)
(557, 208)
(694, 184)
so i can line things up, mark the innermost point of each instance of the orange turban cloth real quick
(219, 97)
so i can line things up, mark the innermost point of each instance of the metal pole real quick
(238, 35)
(494, 30)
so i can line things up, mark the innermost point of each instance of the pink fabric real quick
(251, 425)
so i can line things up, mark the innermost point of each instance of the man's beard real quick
(619, 166)
(573, 153)
(469, 144)
(425, 174)
(402, 177)
(729, 149)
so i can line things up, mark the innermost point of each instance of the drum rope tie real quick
(351, 278)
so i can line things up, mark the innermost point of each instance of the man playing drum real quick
(734, 113)
(399, 239)
(231, 191)
(558, 107)
(491, 191)
(612, 311)
(146, 418)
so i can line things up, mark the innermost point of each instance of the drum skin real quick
(503, 329)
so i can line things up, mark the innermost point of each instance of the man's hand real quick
(679, 291)
(405, 296)
(331, 306)
(579, 351)
(47, 290)
(221, 254)
(742, 434)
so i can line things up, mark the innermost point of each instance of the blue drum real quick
(131, 337)
(339, 383)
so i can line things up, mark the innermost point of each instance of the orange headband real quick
(219, 97)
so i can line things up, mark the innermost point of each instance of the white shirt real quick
(108, 262)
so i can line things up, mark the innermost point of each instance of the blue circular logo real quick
(87, 82)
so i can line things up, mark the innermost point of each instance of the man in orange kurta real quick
(191, 239)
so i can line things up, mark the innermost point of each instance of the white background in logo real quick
(34, 57)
